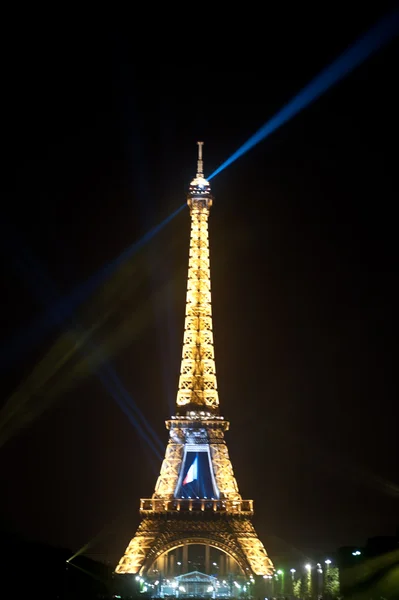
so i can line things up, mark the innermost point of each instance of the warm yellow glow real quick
(197, 383)
(223, 522)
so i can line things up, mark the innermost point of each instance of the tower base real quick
(232, 534)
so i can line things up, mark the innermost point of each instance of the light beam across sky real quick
(382, 33)
(20, 408)
(31, 334)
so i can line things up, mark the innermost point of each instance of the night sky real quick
(100, 135)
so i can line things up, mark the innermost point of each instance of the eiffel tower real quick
(196, 498)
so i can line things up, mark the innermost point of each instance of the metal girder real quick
(224, 521)
(235, 537)
(225, 528)
(197, 382)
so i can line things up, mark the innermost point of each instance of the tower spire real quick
(200, 163)
(197, 383)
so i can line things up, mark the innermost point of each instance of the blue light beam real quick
(45, 292)
(31, 334)
(384, 31)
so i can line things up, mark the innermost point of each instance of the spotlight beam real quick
(30, 335)
(44, 291)
(382, 33)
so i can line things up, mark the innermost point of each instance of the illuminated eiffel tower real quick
(196, 498)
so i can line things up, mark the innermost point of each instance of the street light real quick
(281, 585)
(328, 561)
(308, 567)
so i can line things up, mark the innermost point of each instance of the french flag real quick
(192, 473)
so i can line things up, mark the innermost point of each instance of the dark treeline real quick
(371, 572)
(31, 569)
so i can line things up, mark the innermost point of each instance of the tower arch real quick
(228, 548)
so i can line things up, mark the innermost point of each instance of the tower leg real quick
(185, 558)
(222, 565)
(207, 559)
(162, 565)
(172, 565)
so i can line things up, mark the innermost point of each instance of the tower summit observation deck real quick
(196, 500)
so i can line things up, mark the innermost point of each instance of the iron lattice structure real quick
(197, 383)
(168, 519)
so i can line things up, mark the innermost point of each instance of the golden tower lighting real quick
(196, 498)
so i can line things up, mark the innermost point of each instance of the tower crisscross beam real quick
(197, 383)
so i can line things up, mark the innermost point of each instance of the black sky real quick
(100, 133)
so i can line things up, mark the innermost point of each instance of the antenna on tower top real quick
(200, 164)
